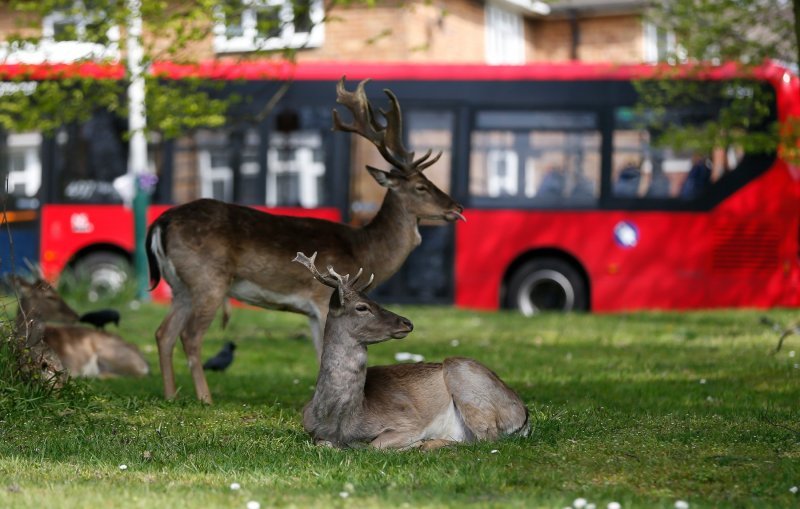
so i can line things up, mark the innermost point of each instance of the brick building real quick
(463, 31)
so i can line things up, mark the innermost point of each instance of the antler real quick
(333, 279)
(387, 139)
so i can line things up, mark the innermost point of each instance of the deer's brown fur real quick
(51, 327)
(426, 405)
(207, 250)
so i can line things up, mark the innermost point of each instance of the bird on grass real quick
(223, 359)
(100, 318)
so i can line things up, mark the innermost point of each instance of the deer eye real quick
(421, 188)
(362, 308)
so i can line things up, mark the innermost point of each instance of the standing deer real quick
(425, 405)
(207, 250)
(51, 326)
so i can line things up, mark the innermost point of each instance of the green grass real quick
(618, 404)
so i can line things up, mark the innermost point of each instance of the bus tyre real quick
(547, 284)
(104, 273)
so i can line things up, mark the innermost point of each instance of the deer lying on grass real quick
(47, 320)
(207, 250)
(427, 405)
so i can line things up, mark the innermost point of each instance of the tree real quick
(107, 30)
(714, 33)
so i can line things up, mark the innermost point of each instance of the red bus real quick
(573, 202)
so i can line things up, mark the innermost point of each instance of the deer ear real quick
(384, 178)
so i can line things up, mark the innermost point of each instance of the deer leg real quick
(489, 409)
(395, 440)
(166, 337)
(203, 311)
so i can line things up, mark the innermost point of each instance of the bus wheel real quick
(547, 284)
(105, 274)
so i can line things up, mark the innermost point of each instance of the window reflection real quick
(541, 158)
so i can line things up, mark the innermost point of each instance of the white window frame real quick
(48, 50)
(504, 35)
(503, 173)
(650, 49)
(302, 163)
(210, 175)
(30, 177)
(288, 39)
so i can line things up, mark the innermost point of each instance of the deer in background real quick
(50, 326)
(207, 250)
(426, 405)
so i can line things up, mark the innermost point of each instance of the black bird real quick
(223, 359)
(100, 317)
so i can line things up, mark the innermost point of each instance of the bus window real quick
(90, 157)
(535, 158)
(21, 169)
(296, 169)
(204, 166)
(433, 130)
(644, 166)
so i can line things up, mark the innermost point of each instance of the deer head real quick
(42, 300)
(418, 194)
(366, 321)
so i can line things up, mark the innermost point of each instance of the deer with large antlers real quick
(207, 250)
(426, 405)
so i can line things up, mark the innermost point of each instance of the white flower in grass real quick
(791, 353)
(344, 494)
(590, 506)
(123, 467)
(236, 486)
(681, 504)
(614, 505)
(579, 503)
(702, 381)
(454, 342)
(794, 489)
(253, 505)
(494, 451)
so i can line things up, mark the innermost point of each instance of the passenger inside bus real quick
(698, 179)
(628, 180)
(552, 184)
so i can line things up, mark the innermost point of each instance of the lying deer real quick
(425, 405)
(46, 319)
(207, 250)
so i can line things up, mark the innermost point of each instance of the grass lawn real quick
(643, 409)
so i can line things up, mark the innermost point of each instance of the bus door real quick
(427, 275)
(21, 172)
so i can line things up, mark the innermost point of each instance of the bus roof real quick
(308, 71)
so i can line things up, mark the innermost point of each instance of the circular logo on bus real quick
(626, 234)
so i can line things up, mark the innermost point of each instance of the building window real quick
(660, 45)
(505, 36)
(253, 25)
(69, 35)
